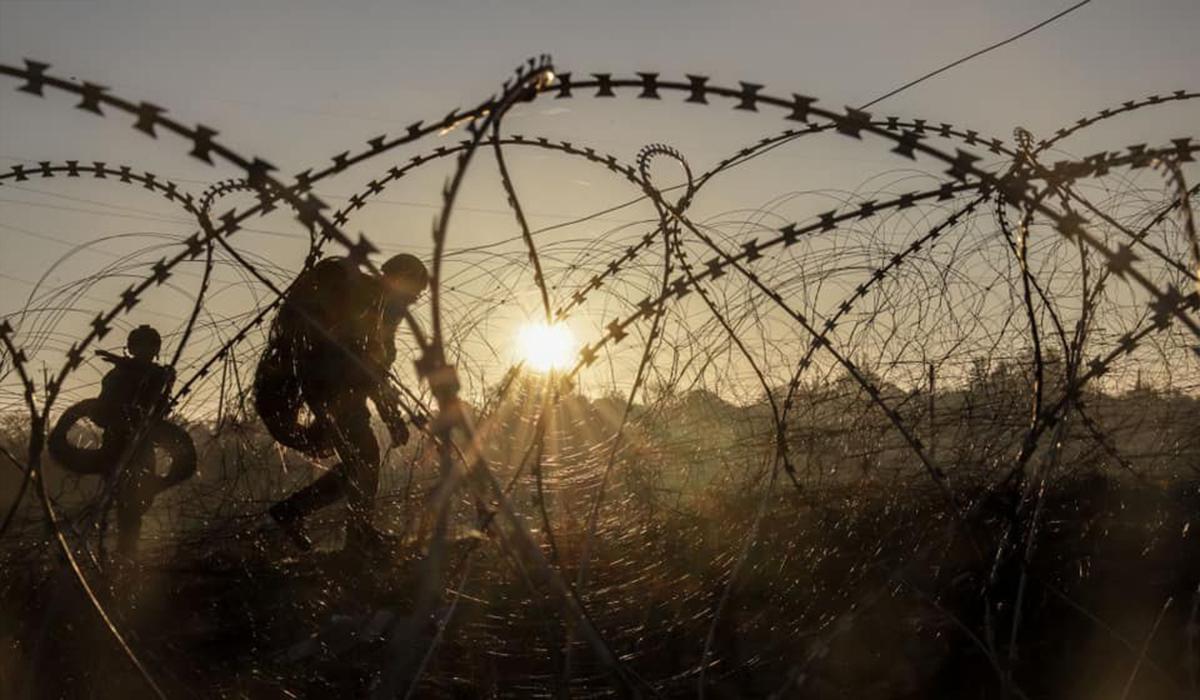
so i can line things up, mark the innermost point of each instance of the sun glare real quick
(546, 347)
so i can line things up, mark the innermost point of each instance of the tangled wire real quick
(929, 418)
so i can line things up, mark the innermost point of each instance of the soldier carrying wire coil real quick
(130, 410)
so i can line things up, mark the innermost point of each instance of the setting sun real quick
(545, 347)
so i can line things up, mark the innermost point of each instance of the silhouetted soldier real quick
(330, 350)
(132, 399)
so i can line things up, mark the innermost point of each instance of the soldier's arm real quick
(387, 402)
(168, 384)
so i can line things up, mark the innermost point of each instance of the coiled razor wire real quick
(600, 562)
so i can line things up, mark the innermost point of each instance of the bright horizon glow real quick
(546, 347)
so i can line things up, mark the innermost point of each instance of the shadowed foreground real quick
(848, 593)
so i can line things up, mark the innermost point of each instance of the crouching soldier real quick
(329, 353)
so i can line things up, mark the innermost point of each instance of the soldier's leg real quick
(356, 476)
(135, 493)
(356, 445)
(129, 528)
(323, 492)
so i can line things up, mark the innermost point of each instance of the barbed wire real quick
(836, 325)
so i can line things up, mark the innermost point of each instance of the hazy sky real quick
(297, 82)
(366, 60)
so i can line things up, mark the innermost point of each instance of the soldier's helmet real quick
(143, 342)
(406, 277)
